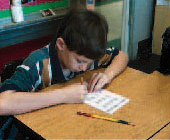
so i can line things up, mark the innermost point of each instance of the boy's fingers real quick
(94, 82)
(91, 81)
(86, 84)
(85, 88)
(92, 78)
(99, 85)
(82, 96)
(10, 91)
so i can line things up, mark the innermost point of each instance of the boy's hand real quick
(75, 93)
(98, 81)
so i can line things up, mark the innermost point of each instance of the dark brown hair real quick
(84, 32)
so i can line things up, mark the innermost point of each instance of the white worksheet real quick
(105, 100)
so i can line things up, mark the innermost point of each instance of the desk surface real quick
(163, 134)
(148, 108)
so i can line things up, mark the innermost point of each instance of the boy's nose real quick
(83, 67)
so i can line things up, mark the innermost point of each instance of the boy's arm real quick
(118, 64)
(12, 102)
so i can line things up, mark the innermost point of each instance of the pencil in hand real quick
(105, 118)
(82, 81)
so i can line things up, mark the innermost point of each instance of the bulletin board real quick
(32, 6)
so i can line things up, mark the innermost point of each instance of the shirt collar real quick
(57, 73)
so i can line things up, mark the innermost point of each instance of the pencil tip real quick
(131, 123)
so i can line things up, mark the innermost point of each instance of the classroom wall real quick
(113, 13)
(112, 10)
(141, 24)
(17, 40)
(34, 25)
(162, 22)
(30, 7)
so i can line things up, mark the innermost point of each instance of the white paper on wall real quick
(163, 2)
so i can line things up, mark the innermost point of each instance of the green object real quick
(35, 8)
(5, 13)
(105, 2)
(115, 43)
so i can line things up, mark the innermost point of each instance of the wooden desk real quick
(163, 134)
(149, 104)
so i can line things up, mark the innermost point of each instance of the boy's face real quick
(70, 59)
(75, 62)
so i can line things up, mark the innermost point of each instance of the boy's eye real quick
(79, 61)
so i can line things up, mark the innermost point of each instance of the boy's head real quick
(85, 33)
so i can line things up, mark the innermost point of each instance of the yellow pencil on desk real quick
(105, 118)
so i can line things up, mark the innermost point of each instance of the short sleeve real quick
(27, 76)
(106, 60)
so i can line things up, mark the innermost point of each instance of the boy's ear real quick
(60, 44)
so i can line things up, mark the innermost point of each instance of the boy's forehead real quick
(83, 58)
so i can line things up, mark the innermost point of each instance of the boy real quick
(80, 45)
